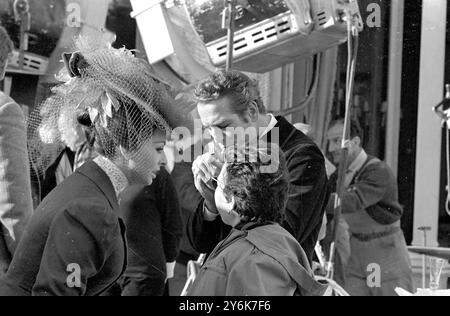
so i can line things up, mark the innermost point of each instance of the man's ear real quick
(357, 141)
(253, 112)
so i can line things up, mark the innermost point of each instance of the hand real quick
(207, 192)
(204, 169)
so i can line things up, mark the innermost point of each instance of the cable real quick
(447, 202)
(350, 83)
(230, 12)
(310, 95)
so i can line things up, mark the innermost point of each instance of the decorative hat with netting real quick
(113, 93)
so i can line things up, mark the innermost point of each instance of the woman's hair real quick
(238, 87)
(89, 131)
(127, 128)
(260, 196)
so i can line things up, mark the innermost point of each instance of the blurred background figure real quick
(370, 232)
(154, 230)
(190, 198)
(16, 205)
(78, 141)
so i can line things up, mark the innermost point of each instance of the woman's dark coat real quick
(75, 243)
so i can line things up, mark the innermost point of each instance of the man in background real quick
(372, 212)
(16, 204)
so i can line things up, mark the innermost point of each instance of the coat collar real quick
(273, 122)
(276, 245)
(287, 133)
(117, 177)
(359, 162)
(92, 171)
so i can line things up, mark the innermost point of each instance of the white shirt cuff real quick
(170, 268)
(209, 216)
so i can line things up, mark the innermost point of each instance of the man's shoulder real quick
(376, 167)
(375, 162)
(273, 239)
(293, 140)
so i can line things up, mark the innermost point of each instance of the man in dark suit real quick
(230, 100)
(16, 204)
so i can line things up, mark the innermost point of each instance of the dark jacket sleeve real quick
(204, 235)
(308, 196)
(172, 224)
(183, 179)
(80, 241)
(189, 199)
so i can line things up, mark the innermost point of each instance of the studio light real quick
(269, 33)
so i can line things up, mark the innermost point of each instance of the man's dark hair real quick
(260, 196)
(238, 87)
(355, 128)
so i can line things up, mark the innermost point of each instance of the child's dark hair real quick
(260, 196)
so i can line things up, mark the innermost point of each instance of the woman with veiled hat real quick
(75, 243)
